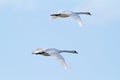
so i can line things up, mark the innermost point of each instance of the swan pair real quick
(55, 53)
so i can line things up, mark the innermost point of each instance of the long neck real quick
(68, 51)
(87, 13)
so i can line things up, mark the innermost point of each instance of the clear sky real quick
(26, 25)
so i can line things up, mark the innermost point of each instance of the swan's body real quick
(54, 52)
(74, 15)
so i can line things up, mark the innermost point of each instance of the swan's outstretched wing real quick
(60, 59)
(77, 18)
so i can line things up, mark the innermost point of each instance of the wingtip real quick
(81, 25)
(65, 67)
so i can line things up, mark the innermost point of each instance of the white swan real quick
(54, 52)
(74, 15)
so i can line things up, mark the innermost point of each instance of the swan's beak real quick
(89, 13)
(75, 52)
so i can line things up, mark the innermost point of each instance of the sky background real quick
(26, 25)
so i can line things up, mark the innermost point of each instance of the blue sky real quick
(26, 25)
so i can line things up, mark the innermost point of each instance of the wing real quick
(77, 18)
(60, 59)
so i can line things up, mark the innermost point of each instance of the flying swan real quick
(74, 15)
(55, 53)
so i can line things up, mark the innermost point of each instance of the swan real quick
(75, 15)
(55, 53)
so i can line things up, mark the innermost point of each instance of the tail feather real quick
(54, 17)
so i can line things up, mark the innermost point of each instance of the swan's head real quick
(38, 50)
